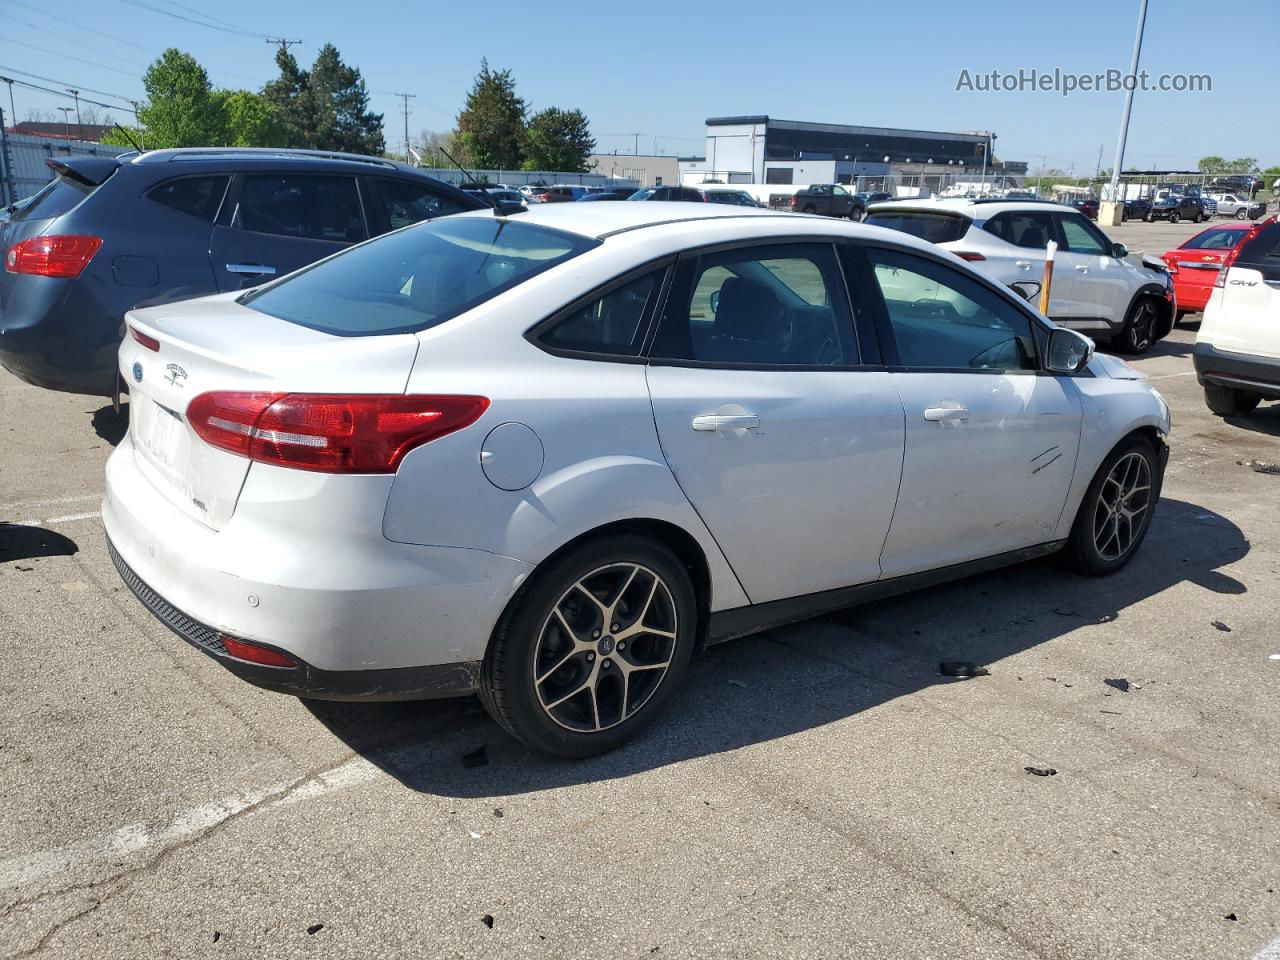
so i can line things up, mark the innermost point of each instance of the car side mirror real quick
(715, 301)
(1028, 290)
(1069, 352)
(1119, 251)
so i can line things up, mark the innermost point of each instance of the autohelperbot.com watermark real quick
(1065, 82)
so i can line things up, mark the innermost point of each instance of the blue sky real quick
(662, 74)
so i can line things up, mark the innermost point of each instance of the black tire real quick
(1175, 217)
(573, 655)
(1198, 218)
(1139, 331)
(1228, 401)
(810, 208)
(1090, 550)
(1241, 213)
(1150, 218)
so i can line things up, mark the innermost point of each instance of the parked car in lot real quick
(828, 200)
(534, 194)
(1135, 208)
(1088, 206)
(1194, 266)
(669, 194)
(1176, 207)
(545, 456)
(110, 233)
(1240, 184)
(1096, 287)
(730, 196)
(864, 199)
(564, 193)
(609, 193)
(1231, 205)
(1237, 350)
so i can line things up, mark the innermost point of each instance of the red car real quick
(1196, 263)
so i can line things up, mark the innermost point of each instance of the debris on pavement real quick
(1041, 771)
(1114, 713)
(962, 668)
(1221, 626)
(1261, 466)
(314, 929)
(476, 758)
(217, 935)
(1230, 916)
(1118, 683)
(487, 920)
(1274, 656)
(498, 812)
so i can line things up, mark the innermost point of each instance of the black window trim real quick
(1061, 216)
(690, 256)
(1040, 329)
(656, 300)
(231, 201)
(226, 191)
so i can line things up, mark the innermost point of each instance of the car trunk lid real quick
(177, 352)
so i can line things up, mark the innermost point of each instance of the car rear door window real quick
(775, 304)
(198, 196)
(942, 319)
(301, 206)
(404, 203)
(1028, 229)
(611, 324)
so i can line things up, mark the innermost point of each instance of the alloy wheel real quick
(1141, 328)
(605, 647)
(1122, 505)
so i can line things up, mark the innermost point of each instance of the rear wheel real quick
(1150, 218)
(1116, 511)
(809, 208)
(1241, 213)
(1226, 401)
(1139, 329)
(593, 648)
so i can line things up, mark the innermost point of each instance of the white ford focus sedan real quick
(544, 455)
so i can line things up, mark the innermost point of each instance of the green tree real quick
(491, 123)
(558, 140)
(181, 110)
(1211, 165)
(249, 120)
(324, 108)
(1241, 165)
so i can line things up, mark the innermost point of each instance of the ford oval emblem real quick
(137, 372)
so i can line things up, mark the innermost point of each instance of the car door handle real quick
(716, 423)
(252, 269)
(1082, 268)
(946, 413)
(1024, 264)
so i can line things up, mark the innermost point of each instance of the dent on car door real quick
(279, 222)
(991, 441)
(787, 449)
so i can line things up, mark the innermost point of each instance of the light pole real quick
(13, 113)
(79, 125)
(1113, 217)
(66, 120)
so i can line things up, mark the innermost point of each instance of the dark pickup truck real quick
(827, 199)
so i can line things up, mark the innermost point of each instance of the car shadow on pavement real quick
(21, 542)
(1266, 419)
(1168, 348)
(111, 426)
(804, 676)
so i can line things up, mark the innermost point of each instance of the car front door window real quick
(405, 203)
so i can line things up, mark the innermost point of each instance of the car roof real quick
(239, 154)
(602, 220)
(969, 206)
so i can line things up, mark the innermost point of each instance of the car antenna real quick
(125, 133)
(499, 209)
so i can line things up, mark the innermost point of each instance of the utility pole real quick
(6, 161)
(1128, 109)
(66, 122)
(636, 150)
(142, 142)
(79, 125)
(283, 43)
(1097, 174)
(406, 97)
(13, 111)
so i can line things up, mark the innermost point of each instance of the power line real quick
(201, 13)
(78, 43)
(64, 84)
(59, 93)
(198, 23)
(67, 56)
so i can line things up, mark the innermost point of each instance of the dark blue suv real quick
(112, 233)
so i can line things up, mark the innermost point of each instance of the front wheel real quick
(1175, 217)
(592, 648)
(1241, 213)
(1139, 329)
(1150, 218)
(1228, 401)
(1116, 511)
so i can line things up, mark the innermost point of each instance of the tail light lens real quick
(1171, 265)
(251, 652)
(967, 255)
(794, 203)
(328, 433)
(57, 256)
(151, 343)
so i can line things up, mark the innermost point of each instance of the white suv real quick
(1237, 352)
(1096, 287)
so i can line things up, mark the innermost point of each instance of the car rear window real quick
(1218, 238)
(934, 227)
(61, 196)
(417, 278)
(1263, 249)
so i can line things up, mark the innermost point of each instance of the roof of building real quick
(93, 132)
(845, 128)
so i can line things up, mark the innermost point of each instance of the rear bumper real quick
(58, 334)
(1241, 371)
(1192, 296)
(307, 571)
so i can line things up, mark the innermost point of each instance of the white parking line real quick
(1271, 951)
(69, 518)
(26, 505)
(1166, 376)
(128, 842)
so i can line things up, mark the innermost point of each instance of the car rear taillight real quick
(794, 202)
(251, 652)
(151, 343)
(330, 433)
(57, 256)
(1170, 264)
(968, 255)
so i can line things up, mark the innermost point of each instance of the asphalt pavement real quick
(816, 791)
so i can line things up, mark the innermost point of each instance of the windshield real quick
(1220, 238)
(418, 277)
(644, 194)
